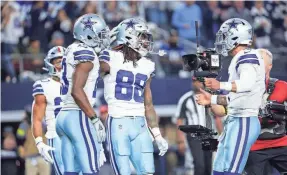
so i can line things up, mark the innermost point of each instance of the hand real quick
(160, 141)
(102, 157)
(204, 98)
(44, 150)
(100, 128)
(212, 83)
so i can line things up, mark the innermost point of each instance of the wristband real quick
(225, 86)
(155, 132)
(38, 140)
(213, 100)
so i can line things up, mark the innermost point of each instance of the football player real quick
(127, 78)
(47, 102)
(78, 126)
(246, 85)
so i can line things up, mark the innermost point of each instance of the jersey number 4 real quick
(130, 86)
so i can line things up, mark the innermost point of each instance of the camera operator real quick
(190, 113)
(246, 87)
(270, 149)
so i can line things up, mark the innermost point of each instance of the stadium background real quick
(29, 29)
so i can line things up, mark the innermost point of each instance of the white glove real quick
(44, 149)
(100, 128)
(160, 141)
(102, 157)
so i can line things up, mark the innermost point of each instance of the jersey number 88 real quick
(130, 86)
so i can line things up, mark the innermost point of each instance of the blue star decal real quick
(88, 24)
(233, 24)
(131, 24)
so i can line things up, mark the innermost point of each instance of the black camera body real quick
(273, 123)
(205, 135)
(205, 64)
(275, 111)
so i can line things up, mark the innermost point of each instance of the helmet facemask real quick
(51, 68)
(145, 43)
(221, 43)
(100, 40)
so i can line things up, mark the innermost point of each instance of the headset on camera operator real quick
(270, 149)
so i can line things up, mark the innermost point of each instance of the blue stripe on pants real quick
(241, 146)
(93, 143)
(86, 141)
(55, 161)
(237, 144)
(245, 143)
(112, 156)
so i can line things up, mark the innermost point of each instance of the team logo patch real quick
(88, 24)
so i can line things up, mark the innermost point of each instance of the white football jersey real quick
(51, 90)
(246, 103)
(75, 54)
(124, 85)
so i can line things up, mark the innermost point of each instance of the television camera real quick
(205, 63)
(273, 120)
(205, 135)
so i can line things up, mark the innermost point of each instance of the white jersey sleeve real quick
(75, 54)
(51, 90)
(248, 72)
(125, 83)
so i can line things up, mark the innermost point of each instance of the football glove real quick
(44, 149)
(100, 128)
(160, 141)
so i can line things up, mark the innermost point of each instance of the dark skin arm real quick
(80, 77)
(104, 68)
(39, 109)
(150, 113)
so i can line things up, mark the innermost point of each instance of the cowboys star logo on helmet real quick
(233, 24)
(130, 24)
(88, 24)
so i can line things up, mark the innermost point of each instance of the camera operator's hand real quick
(204, 98)
(212, 83)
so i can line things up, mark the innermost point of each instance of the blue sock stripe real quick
(93, 143)
(86, 142)
(237, 144)
(245, 143)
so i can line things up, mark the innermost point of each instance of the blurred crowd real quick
(29, 29)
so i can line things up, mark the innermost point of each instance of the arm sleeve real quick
(105, 56)
(247, 77)
(83, 54)
(37, 89)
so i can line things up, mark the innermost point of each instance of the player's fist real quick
(160, 141)
(212, 83)
(44, 149)
(100, 129)
(203, 98)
